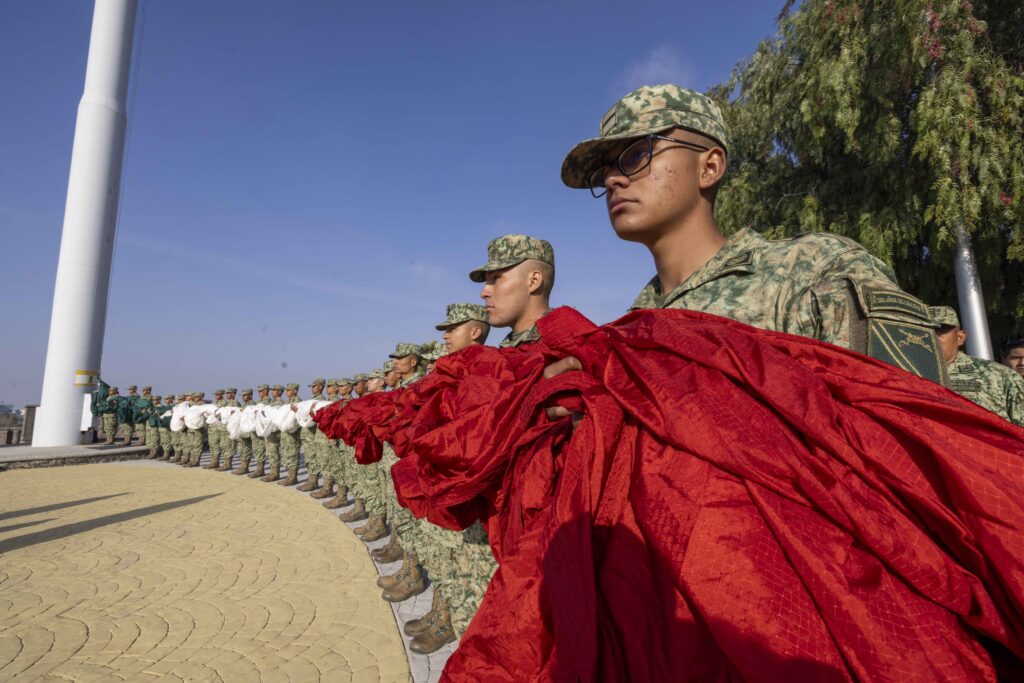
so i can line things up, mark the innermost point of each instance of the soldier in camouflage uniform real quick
(347, 472)
(142, 428)
(326, 449)
(365, 483)
(259, 444)
(992, 386)
(290, 443)
(274, 439)
(108, 398)
(311, 447)
(179, 439)
(128, 425)
(459, 563)
(166, 435)
(228, 446)
(245, 441)
(196, 437)
(658, 161)
(153, 414)
(216, 432)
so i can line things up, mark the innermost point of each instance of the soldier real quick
(1013, 355)
(179, 439)
(274, 439)
(464, 325)
(127, 414)
(349, 474)
(164, 430)
(327, 451)
(105, 403)
(290, 441)
(197, 435)
(369, 486)
(658, 162)
(245, 441)
(142, 428)
(992, 386)
(310, 446)
(259, 444)
(155, 411)
(228, 446)
(518, 278)
(214, 433)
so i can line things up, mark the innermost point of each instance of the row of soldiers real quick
(659, 158)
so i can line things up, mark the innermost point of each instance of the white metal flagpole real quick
(90, 218)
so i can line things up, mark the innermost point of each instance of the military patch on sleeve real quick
(911, 347)
(897, 302)
(965, 386)
(744, 259)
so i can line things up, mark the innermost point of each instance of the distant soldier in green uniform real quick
(105, 404)
(164, 430)
(290, 441)
(259, 443)
(343, 467)
(991, 385)
(327, 450)
(214, 434)
(245, 441)
(363, 479)
(142, 428)
(274, 439)
(180, 439)
(153, 427)
(310, 446)
(228, 446)
(127, 415)
(196, 436)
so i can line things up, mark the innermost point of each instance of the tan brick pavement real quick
(111, 572)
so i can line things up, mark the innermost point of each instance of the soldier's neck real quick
(683, 250)
(537, 308)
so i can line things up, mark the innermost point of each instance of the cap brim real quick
(480, 274)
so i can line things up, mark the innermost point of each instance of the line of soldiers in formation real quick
(819, 285)
(459, 564)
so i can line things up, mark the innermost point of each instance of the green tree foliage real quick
(890, 122)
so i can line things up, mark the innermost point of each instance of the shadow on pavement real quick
(59, 532)
(56, 506)
(5, 529)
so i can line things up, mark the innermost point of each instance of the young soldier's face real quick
(459, 336)
(275, 393)
(332, 390)
(263, 393)
(643, 207)
(375, 384)
(391, 379)
(950, 341)
(230, 397)
(406, 364)
(360, 387)
(1015, 360)
(317, 388)
(506, 294)
(345, 390)
(291, 392)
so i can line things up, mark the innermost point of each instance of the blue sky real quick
(308, 183)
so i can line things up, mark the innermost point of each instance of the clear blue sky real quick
(308, 183)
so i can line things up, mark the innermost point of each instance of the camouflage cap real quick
(648, 109)
(346, 381)
(432, 350)
(263, 387)
(147, 388)
(359, 377)
(292, 386)
(132, 386)
(218, 391)
(319, 380)
(231, 390)
(389, 365)
(944, 316)
(277, 387)
(168, 397)
(376, 374)
(406, 349)
(155, 397)
(246, 392)
(510, 250)
(113, 390)
(460, 313)
(333, 382)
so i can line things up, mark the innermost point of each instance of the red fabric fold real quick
(735, 505)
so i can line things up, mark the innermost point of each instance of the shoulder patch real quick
(906, 345)
(896, 301)
(744, 259)
(961, 386)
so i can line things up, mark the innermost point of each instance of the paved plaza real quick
(145, 570)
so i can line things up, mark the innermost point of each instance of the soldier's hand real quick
(567, 364)
(295, 408)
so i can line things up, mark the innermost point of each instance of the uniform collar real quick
(737, 255)
(519, 338)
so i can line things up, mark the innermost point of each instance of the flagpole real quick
(971, 298)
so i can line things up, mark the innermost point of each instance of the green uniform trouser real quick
(153, 439)
(195, 442)
(245, 446)
(166, 440)
(402, 521)
(310, 450)
(214, 434)
(274, 450)
(109, 422)
(127, 431)
(259, 448)
(140, 431)
(228, 446)
(325, 451)
(465, 579)
(364, 480)
(290, 449)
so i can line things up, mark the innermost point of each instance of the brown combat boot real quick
(166, 457)
(273, 475)
(225, 465)
(292, 480)
(356, 514)
(243, 467)
(437, 637)
(312, 483)
(328, 488)
(413, 585)
(194, 462)
(373, 522)
(392, 552)
(259, 471)
(214, 462)
(423, 624)
(376, 534)
(339, 501)
(401, 576)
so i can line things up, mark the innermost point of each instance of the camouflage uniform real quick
(245, 442)
(178, 439)
(166, 435)
(128, 425)
(142, 426)
(274, 439)
(259, 443)
(993, 386)
(107, 399)
(290, 440)
(153, 414)
(228, 446)
(217, 433)
(196, 437)
(821, 285)
(311, 448)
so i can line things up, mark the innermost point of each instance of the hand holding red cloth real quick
(735, 504)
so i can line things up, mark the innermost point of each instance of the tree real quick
(891, 122)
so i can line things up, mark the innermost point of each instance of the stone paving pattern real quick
(148, 570)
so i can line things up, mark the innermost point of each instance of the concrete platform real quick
(21, 457)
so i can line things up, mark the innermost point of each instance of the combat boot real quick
(327, 491)
(243, 467)
(356, 514)
(273, 475)
(437, 637)
(391, 580)
(259, 471)
(166, 457)
(371, 524)
(214, 462)
(312, 483)
(376, 533)
(195, 460)
(391, 552)
(225, 465)
(292, 480)
(413, 585)
(339, 501)
(152, 454)
(423, 624)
